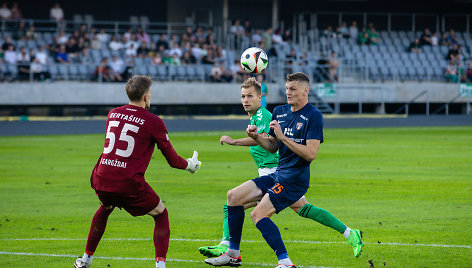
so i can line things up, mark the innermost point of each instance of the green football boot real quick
(355, 241)
(213, 251)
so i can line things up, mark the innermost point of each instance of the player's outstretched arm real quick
(193, 164)
(176, 161)
(267, 142)
(238, 142)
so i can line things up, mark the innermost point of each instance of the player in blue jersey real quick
(296, 132)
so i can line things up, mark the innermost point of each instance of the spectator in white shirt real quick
(257, 37)
(237, 28)
(353, 31)
(57, 13)
(10, 56)
(41, 55)
(117, 65)
(103, 36)
(62, 38)
(131, 51)
(114, 44)
(5, 12)
(176, 50)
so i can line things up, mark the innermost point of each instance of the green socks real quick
(225, 224)
(322, 216)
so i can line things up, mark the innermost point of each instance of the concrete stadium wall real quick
(168, 93)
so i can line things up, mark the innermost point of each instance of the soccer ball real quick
(254, 60)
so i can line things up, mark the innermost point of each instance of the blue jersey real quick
(300, 126)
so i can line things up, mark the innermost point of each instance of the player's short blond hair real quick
(137, 86)
(252, 82)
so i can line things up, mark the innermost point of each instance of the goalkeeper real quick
(251, 94)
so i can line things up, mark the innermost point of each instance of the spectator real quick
(175, 60)
(7, 44)
(133, 40)
(128, 72)
(344, 30)
(287, 36)
(364, 37)
(117, 66)
(303, 59)
(31, 33)
(103, 72)
(128, 33)
(415, 46)
(188, 58)
(264, 90)
(166, 59)
(237, 71)
(114, 44)
(353, 31)
(124, 43)
(199, 38)
(84, 57)
(426, 38)
(61, 55)
(267, 38)
(5, 13)
(163, 42)
(20, 32)
(57, 13)
(442, 40)
(142, 36)
(220, 74)
(176, 50)
(152, 50)
(131, 51)
(23, 61)
(469, 72)
(453, 53)
(82, 30)
(237, 29)
(434, 39)
(62, 38)
(277, 37)
(72, 49)
(333, 67)
(219, 54)
(226, 75)
(16, 13)
(38, 71)
(256, 37)
(143, 51)
(197, 52)
(174, 39)
(156, 59)
(451, 38)
(328, 32)
(96, 44)
(208, 58)
(102, 36)
(42, 56)
(452, 72)
(373, 37)
(247, 28)
(10, 56)
(322, 69)
(187, 36)
(290, 59)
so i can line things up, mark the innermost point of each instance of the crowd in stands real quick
(115, 57)
(459, 66)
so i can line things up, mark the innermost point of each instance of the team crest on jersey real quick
(299, 126)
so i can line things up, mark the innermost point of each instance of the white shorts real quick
(266, 171)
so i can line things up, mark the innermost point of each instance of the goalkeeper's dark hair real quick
(252, 82)
(137, 86)
(299, 76)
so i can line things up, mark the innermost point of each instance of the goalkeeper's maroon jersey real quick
(131, 133)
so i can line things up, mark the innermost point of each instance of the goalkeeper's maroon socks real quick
(235, 224)
(161, 235)
(97, 228)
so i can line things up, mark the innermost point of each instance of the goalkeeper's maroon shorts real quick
(136, 204)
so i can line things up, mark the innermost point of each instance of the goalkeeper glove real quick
(193, 163)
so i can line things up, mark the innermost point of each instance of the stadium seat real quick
(191, 72)
(84, 72)
(141, 70)
(63, 71)
(180, 72)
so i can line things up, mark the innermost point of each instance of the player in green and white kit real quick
(267, 163)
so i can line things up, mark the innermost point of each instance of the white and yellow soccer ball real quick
(254, 60)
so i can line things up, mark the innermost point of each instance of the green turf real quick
(399, 185)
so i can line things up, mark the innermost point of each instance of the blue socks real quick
(235, 224)
(271, 234)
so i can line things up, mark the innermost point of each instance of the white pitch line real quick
(244, 241)
(128, 258)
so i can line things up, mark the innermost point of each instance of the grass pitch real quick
(408, 189)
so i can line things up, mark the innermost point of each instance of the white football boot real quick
(285, 266)
(224, 260)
